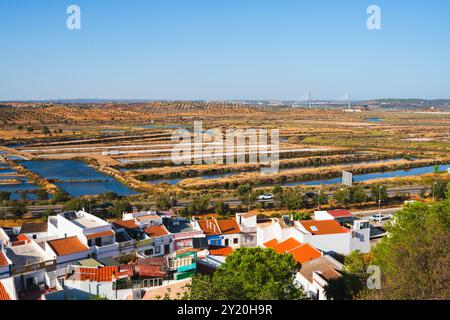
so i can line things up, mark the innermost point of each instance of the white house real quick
(144, 219)
(326, 235)
(315, 275)
(247, 223)
(67, 251)
(92, 231)
(34, 230)
(162, 241)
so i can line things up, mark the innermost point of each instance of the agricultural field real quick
(132, 144)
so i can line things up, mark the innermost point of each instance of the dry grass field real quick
(132, 142)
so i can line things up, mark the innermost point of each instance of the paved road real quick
(369, 213)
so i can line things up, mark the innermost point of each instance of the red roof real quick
(322, 227)
(67, 246)
(301, 252)
(220, 251)
(157, 231)
(103, 274)
(340, 213)
(3, 294)
(271, 244)
(287, 245)
(151, 271)
(126, 224)
(3, 260)
(100, 234)
(305, 253)
(209, 227)
(229, 226)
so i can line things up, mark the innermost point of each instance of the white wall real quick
(339, 242)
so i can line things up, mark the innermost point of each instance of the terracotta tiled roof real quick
(157, 231)
(301, 252)
(220, 251)
(174, 290)
(229, 226)
(323, 265)
(103, 274)
(271, 244)
(100, 234)
(287, 245)
(3, 294)
(148, 217)
(305, 253)
(323, 227)
(209, 227)
(67, 246)
(126, 224)
(340, 213)
(3, 260)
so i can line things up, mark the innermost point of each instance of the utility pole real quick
(309, 99)
(379, 199)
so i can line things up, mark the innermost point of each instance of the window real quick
(34, 236)
(158, 250)
(235, 240)
(90, 243)
(226, 242)
(148, 252)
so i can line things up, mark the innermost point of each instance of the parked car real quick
(378, 217)
(265, 197)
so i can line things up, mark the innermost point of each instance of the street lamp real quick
(379, 198)
(318, 200)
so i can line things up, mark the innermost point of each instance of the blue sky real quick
(224, 49)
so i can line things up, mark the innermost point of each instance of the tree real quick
(357, 194)
(246, 194)
(61, 196)
(439, 189)
(378, 192)
(165, 202)
(222, 208)
(119, 207)
(76, 205)
(414, 259)
(18, 209)
(342, 196)
(110, 196)
(346, 287)
(45, 130)
(293, 200)
(5, 195)
(199, 204)
(42, 194)
(249, 274)
(30, 130)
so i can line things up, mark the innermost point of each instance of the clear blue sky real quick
(224, 49)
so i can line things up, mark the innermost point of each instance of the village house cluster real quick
(149, 255)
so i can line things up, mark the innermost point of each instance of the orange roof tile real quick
(220, 251)
(287, 245)
(340, 213)
(3, 260)
(126, 224)
(209, 227)
(67, 246)
(148, 217)
(3, 293)
(229, 226)
(305, 253)
(271, 244)
(157, 231)
(322, 227)
(103, 274)
(100, 234)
